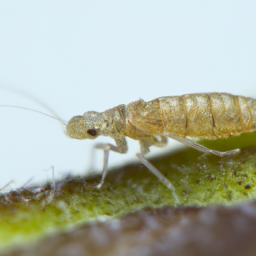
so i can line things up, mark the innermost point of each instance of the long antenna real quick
(33, 98)
(56, 118)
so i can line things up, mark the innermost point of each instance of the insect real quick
(182, 118)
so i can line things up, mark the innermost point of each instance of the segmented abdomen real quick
(209, 116)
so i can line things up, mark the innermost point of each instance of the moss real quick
(200, 180)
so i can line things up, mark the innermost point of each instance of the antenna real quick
(39, 112)
(33, 98)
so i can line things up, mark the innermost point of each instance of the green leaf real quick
(199, 179)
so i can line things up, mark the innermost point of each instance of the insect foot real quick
(226, 153)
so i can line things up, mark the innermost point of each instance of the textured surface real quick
(211, 231)
(201, 180)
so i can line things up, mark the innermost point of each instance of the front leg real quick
(121, 147)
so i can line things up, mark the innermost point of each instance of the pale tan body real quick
(200, 116)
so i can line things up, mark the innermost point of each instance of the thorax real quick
(114, 121)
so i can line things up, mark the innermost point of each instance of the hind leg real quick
(201, 148)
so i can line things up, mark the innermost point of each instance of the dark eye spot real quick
(247, 186)
(92, 132)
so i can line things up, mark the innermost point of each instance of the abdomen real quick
(208, 116)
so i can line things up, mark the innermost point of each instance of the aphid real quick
(197, 116)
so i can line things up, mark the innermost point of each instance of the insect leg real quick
(159, 175)
(106, 148)
(201, 148)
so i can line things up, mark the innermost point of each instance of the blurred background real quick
(77, 56)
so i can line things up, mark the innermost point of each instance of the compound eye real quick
(92, 132)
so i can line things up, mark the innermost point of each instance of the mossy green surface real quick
(199, 179)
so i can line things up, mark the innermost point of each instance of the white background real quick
(78, 56)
